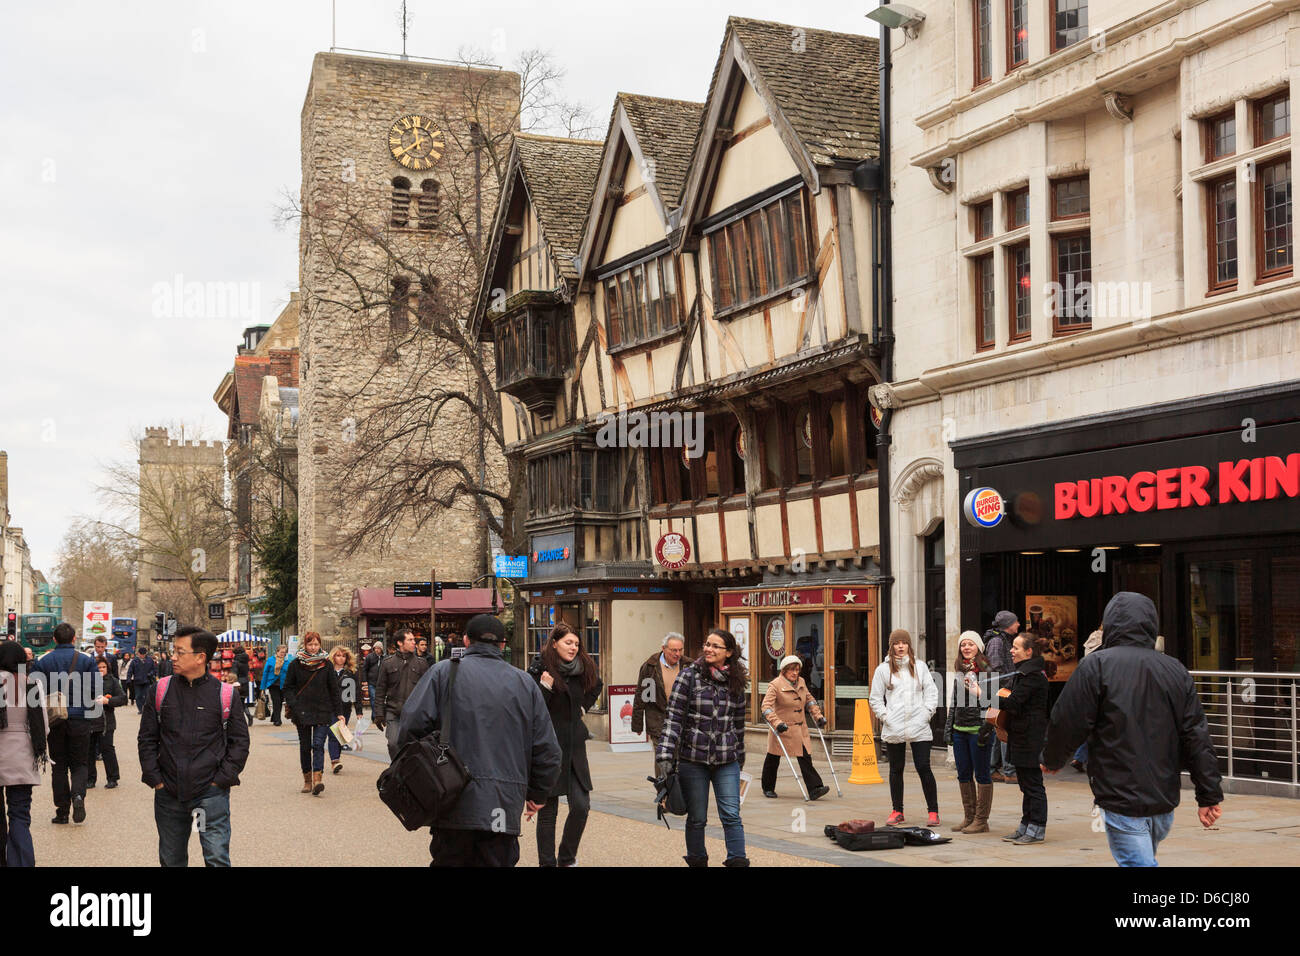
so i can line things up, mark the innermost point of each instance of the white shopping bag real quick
(363, 724)
(745, 781)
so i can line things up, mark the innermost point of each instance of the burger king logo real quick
(983, 508)
(673, 550)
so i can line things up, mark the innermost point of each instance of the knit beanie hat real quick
(1004, 619)
(971, 636)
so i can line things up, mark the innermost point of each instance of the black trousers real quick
(473, 848)
(772, 766)
(1033, 802)
(101, 745)
(921, 760)
(574, 824)
(69, 746)
(277, 699)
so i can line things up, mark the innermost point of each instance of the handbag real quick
(423, 784)
(668, 795)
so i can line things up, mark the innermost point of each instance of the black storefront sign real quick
(1243, 482)
(551, 556)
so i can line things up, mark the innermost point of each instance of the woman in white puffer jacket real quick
(904, 697)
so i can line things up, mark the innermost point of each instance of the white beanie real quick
(970, 636)
(788, 660)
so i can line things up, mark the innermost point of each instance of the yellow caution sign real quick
(864, 769)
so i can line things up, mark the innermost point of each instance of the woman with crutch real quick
(786, 706)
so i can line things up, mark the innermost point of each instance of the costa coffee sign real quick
(1188, 486)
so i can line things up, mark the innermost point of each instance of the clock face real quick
(415, 142)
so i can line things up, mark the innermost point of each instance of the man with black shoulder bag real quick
(495, 721)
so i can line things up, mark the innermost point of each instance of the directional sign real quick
(412, 588)
(439, 586)
(507, 566)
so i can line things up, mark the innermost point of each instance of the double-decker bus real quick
(37, 631)
(124, 635)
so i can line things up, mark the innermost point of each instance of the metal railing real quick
(1252, 718)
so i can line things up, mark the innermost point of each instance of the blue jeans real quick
(311, 746)
(175, 819)
(17, 846)
(1133, 840)
(695, 779)
(972, 759)
(1081, 754)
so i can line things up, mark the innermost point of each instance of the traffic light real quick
(11, 625)
(159, 621)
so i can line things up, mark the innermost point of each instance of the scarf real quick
(719, 674)
(311, 661)
(569, 668)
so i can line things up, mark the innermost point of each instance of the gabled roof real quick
(556, 176)
(652, 131)
(821, 89)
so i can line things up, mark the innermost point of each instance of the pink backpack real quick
(227, 697)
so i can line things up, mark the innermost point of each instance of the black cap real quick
(485, 627)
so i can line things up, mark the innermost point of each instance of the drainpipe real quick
(886, 339)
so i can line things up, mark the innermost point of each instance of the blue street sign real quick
(506, 566)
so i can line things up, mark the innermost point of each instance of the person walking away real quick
(345, 672)
(256, 664)
(311, 694)
(1093, 643)
(66, 670)
(571, 686)
(998, 640)
(22, 755)
(501, 729)
(654, 684)
(788, 704)
(103, 727)
(370, 665)
(1144, 723)
(904, 698)
(193, 744)
(400, 671)
(1026, 709)
(244, 677)
(273, 675)
(969, 734)
(139, 676)
(704, 741)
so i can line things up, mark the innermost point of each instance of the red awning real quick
(379, 602)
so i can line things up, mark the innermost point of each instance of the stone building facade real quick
(396, 180)
(1144, 150)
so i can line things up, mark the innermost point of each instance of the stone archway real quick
(918, 511)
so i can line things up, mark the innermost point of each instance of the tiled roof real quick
(825, 83)
(666, 131)
(561, 174)
(249, 372)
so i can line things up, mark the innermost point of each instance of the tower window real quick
(428, 204)
(401, 201)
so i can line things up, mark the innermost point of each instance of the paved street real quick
(270, 815)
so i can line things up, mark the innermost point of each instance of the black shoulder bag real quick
(427, 778)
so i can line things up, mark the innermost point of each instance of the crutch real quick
(797, 779)
(827, 750)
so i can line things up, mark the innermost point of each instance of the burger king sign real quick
(673, 550)
(983, 508)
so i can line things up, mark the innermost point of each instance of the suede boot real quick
(306, 783)
(967, 805)
(316, 785)
(983, 807)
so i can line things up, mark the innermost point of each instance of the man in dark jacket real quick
(501, 728)
(997, 641)
(192, 753)
(654, 685)
(398, 675)
(140, 674)
(102, 653)
(1138, 710)
(65, 670)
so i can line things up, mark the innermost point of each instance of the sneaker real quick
(111, 785)
(770, 793)
(338, 767)
(1013, 837)
(819, 792)
(78, 809)
(934, 820)
(1027, 838)
(894, 818)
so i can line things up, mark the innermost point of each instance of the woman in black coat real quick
(571, 685)
(314, 701)
(1026, 709)
(102, 728)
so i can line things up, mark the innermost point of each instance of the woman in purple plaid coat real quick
(703, 741)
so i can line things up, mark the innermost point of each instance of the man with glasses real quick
(193, 744)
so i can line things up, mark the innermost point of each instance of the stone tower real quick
(179, 531)
(395, 183)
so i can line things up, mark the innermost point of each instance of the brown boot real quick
(983, 806)
(967, 805)
(316, 785)
(306, 783)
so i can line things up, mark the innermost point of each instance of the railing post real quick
(1228, 684)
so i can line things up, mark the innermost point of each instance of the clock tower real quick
(394, 185)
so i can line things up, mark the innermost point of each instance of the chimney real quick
(284, 366)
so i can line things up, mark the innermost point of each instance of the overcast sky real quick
(144, 141)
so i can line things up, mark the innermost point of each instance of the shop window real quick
(852, 633)
(1069, 23)
(1285, 580)
(982, 28)
(591, 640)
(1220, 135)
(1222, 209)
(1273, 219)
(541, 618)
(985, 303)
(1272, 118)
(1220, 596)
(1017, 33)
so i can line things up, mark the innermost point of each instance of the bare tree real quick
(93, 566)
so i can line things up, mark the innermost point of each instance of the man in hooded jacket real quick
(1137, 708)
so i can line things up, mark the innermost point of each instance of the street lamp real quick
(898, 16)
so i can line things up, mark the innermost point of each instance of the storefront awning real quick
(379, 602)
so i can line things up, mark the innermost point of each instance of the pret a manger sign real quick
(1263, 478)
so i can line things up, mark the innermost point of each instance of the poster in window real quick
(739, 628)
(1055, 617)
